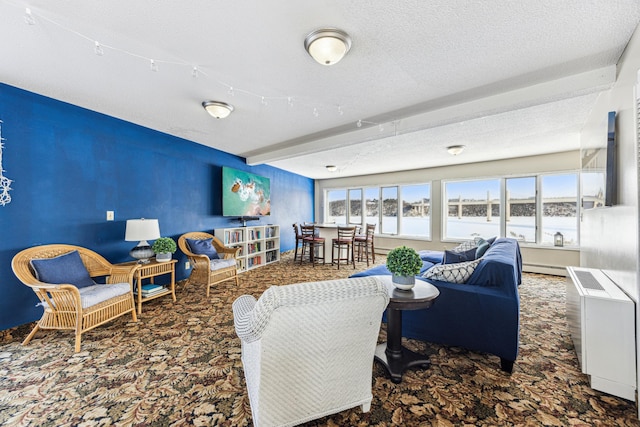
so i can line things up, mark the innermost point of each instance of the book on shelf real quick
(233, 236)
(151, 289)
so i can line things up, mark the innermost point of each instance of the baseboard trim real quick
(554, 270)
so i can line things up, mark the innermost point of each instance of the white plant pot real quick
(163, 257)
(404, 283)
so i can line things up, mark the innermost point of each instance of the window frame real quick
(538, 200)
(364, 210)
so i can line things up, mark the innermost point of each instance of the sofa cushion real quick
(453, 273)
(465, 246)
(64, 269)
(434, 257)
(203, 247)
(482, 248)
(452, 257)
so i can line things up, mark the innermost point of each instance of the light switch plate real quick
(110, 216)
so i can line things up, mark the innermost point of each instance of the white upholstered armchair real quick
(307, 349)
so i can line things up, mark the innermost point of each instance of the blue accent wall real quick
(70, 165)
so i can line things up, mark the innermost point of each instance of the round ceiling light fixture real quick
(217, 109)
(331, 168)
(327, 45)
(454, 150)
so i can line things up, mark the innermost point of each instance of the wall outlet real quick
(187, 265)
(110, 216)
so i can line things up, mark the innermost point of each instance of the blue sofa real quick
(482, 314)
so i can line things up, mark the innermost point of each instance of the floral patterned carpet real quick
(180, 365)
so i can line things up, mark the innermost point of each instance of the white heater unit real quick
(601, 320)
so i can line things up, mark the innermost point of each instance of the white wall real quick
(535, 259)
(610, 236)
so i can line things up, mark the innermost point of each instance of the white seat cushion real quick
(92, 295)
(217, 264)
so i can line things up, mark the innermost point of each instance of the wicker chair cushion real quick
(217, 264)
(93, 295)
(203, 247)
(64, 269)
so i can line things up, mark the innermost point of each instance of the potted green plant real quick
(164, 247)
(404, 263)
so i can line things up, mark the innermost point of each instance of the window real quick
(531, 209)
(355, 206)
(416, 210)
(520, 210)
(389, 210)
(337, 206)
(473, 209)
(372, 205)
(404, 210)
(559, 194)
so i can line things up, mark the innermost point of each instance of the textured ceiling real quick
(504, 78)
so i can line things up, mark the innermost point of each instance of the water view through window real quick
(531, 209)
(473, 209)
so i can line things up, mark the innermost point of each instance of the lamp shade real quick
(217, 109)
(327, 46)
(141, 229)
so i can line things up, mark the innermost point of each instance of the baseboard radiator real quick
(601, 320)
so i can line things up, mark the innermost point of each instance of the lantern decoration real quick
(558, 239)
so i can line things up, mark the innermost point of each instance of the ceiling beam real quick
(542, 93)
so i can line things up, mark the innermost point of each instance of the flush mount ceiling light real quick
(327, 45)
(454, 150)
(217, 109)
(331, 168)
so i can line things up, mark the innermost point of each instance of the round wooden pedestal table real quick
(391, 354)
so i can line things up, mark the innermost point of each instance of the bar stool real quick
(311, 240)
(365, 241)
(296, 231)
(344, 242)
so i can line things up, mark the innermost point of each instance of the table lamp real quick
(142, 230)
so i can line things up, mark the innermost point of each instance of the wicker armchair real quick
(66, 306)
(204, 270)
(307, 349)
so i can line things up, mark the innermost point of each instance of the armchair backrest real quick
(308, 348)
(95, 263)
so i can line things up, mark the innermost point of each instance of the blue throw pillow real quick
(434, 257)
(491, 240)
(482, 248)
(67, 268)
(452, 257)
(203, 247)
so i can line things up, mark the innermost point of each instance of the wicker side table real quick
(150, 271)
